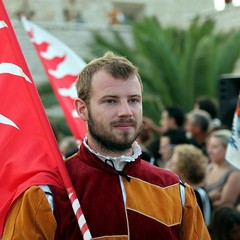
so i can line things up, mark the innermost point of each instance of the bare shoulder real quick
(235, 175)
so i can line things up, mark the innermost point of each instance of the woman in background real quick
(222, 179)
(190, 164)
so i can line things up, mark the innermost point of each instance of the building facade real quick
(72, 21)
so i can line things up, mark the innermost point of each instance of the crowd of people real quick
(137, 179)
(193, 145)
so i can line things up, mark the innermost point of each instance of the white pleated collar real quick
(119, 162)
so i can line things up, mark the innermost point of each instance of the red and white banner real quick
(62, 66)
(28, 148)
(233, 149)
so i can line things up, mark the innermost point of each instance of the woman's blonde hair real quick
(192, 163)
(223, 135)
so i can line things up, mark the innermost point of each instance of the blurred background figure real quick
(209, 105)
(225, 224)
(222, 179)
(56, 131)
(168, 140)
(149, 137)
(71, 12)
(68, 146)
(116, 16)
(146, 137)
(172, 117)
(190, 164)
(197, 127)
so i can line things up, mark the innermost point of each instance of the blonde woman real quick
(190, 164)
(222, 179)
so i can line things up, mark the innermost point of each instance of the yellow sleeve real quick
(193, 225)
(30, 217)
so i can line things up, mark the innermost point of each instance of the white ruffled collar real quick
(119, 162)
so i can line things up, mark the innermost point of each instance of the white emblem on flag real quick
(7, 121)
(3, 24)
(14, 70)
(68, 92)
(75, 114)
(233, 149)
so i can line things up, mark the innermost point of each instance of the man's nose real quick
(124, 109)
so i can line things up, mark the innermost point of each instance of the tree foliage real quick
(176, 65)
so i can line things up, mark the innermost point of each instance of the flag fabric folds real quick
(233, 149)
(28, 148)
(62, 66)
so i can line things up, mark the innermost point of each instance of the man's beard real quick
(106, 139)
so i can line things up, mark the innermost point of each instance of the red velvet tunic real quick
(153, 208)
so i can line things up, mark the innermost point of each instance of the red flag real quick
(62, 66)
(28, 148)
(233, 149)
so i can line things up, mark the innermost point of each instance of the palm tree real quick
(176, 65)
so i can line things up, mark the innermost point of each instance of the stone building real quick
(71, 20)
(98, 12)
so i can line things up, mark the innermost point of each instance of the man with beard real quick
(121, 196)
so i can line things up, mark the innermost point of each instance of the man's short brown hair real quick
(116, 66)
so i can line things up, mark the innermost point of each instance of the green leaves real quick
(176, 65)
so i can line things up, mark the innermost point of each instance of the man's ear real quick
(81, 109)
